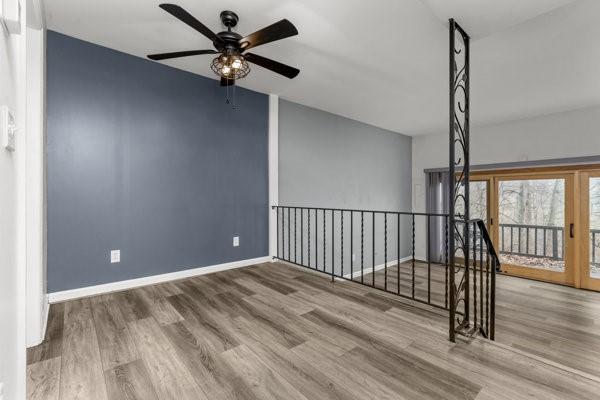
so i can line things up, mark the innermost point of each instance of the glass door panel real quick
(478, 200)
(478, 204)
(594, 199)
(590, 210)
(533, 231)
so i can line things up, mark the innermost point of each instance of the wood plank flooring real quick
(273, 331)
(555, 322)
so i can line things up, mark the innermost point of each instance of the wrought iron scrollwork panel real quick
(471, 252)
(459, 179)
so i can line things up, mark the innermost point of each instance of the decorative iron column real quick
(458, 235)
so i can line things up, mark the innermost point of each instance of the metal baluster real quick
(487, 294)
(428, 261)
(283, 233)
(308, 239)
(324, 243)
(413, 256)
(316, 230)
(332, 246)
(277, 225)
(362, 245)
(535, 239)
(446, 262)
(351, 245)
(527, 240)
(373, 250)
(463, 248)
(481, 277)
(385, 253)
(398, 250)
(302, 236)
(289, 246)
(342, 244)
(493, 302)
(519, 238)
(474, 274)
(295, 235)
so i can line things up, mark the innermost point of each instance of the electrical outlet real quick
(353, 257)
(236, 241)
(115, 256)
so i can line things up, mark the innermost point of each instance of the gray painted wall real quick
(326, 160)
(150, 160)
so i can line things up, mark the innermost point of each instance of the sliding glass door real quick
(544, 222)
(590, 229)
(534, 229)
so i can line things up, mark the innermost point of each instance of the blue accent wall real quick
(150, 160)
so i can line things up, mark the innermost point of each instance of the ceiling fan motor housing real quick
(230, 40)
(229, 18)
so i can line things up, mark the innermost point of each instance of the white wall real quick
(561, 135)
(326, 160)
(37, 304)
(22, 237)
(12, 217)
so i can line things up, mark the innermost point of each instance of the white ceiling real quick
(484, 17)
(383, 62)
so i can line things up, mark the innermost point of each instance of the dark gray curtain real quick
(437, 202)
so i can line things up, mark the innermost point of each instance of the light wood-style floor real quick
(273, 331)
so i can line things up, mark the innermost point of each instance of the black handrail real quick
(357, 210)
(488, 242)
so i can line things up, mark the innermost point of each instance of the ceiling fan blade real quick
(187, 18)
(279, 30)
(227, 82)
(177, 54)
(285, 70)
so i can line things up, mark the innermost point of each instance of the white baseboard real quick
(45, 318)
(39, 338)
(88, 291)
(391, 263)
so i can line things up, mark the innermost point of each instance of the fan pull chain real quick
(233, 90)
(227, 92)
(232, 100)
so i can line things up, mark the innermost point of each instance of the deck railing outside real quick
(532, 240)
(595, 247)
(542, 241)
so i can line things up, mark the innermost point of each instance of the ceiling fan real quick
(232, 61)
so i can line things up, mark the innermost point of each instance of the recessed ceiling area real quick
(380, 62)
